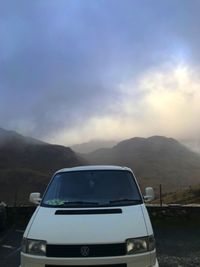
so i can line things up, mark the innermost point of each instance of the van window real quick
(92, 188)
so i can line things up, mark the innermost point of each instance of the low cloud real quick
(166, 103)
(71, 71)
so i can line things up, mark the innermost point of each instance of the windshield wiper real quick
(125, 200)
(74, 203)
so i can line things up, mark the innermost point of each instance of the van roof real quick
(94, 168)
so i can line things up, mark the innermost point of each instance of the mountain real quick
(27, 164)
(155, 160)
(93, 145)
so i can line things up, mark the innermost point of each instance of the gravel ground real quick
(173, 261)
(10, 245)
(178, 246)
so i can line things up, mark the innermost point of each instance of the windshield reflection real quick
(92, 189)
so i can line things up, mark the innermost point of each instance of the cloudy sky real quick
(76, 70)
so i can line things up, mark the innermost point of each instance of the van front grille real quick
(85, 251)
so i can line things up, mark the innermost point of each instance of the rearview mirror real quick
(35, 198)
(149, 194)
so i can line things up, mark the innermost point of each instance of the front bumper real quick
(140, 260)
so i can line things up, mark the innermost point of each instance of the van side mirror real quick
(149, 194)
(35, 198)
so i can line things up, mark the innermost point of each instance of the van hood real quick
(88, 228)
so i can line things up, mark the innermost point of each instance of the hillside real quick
(92, 145)
(155, 160)
(27, 164)
(190, 195)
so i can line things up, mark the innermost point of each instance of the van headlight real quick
(34, 247)
(140, 245)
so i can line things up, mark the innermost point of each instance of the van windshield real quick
(92, 188)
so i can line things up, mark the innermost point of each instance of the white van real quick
(90, 216)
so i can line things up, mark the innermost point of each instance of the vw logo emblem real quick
(85, 251)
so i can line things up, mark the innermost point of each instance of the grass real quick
(189, 195)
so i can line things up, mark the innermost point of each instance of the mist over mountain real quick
(27, 164)
(192, 143)
(155, 160)
(93, 145)
(13, 138)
